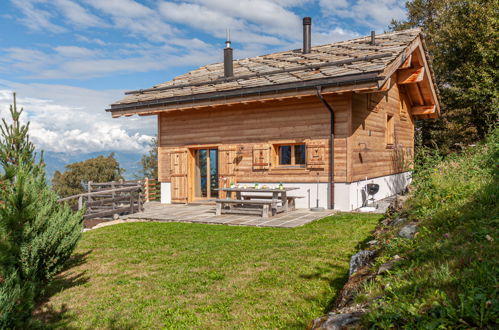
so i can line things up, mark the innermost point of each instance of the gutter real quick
(352, 79)
(331, 146)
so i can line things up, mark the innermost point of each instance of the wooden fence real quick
(105, 199)
(151, 190)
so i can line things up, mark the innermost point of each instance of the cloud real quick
(375, 14)
(138, 19)
(75, 51)
(78, 15)
(75, 62)
(36, 18)
(72, 120)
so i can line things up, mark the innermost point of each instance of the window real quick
(291, 155)
(390, 136)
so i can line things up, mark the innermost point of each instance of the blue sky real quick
(69, 59)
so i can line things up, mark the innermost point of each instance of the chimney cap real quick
(307, 20)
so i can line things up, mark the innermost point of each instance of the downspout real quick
(331, 146)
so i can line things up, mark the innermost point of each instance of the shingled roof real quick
(344, 62)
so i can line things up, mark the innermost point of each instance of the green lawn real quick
(177, 275)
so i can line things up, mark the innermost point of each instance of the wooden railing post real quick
(131, 202)
(89, 190)
(146, 189)
(80, 203)
(113, 195)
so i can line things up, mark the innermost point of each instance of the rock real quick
(408, 231)
(336, 321)
(116, 216)
(398, 221)
(360, 259)
(373, 242)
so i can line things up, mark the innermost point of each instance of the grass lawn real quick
(178, 275)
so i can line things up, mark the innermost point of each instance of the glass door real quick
(206, 173)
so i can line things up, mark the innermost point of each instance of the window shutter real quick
(178, 176)
(316, 153)
(261, 157)
(227, 159)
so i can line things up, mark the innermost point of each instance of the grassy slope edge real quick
(448, 274)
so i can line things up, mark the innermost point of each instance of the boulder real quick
(360, 259)
(408, 231)
(335, 321)
(398, 221)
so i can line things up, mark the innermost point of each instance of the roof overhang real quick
(353, 82)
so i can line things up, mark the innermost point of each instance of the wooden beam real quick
(410, 76)
(423, 110)
(407, 63)
(386, 86)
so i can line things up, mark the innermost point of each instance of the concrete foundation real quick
(347, 196)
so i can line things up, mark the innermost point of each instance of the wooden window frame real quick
(390, 131)
(293, 165)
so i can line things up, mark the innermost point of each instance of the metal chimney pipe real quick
(228, 62)
(373, 38)
(307, 34)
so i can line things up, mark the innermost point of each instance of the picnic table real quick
(264, 201)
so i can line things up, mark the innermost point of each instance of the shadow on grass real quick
(47, 315)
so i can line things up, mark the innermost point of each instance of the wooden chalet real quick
(328, 119)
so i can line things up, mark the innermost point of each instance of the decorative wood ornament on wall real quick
(261, 157)
(316, 156)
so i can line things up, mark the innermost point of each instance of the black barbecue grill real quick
(372, 189)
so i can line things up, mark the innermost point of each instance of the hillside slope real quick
(446, 276)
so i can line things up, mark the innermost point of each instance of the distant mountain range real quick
(56, 161)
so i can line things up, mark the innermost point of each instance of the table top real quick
(272, 190)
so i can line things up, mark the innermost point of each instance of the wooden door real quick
(178, 175)
(227, 159)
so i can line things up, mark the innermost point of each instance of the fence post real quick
(113, 195)
(131, 202)
(146, 189)
(80, 202)
(139, 201)
(89, 190)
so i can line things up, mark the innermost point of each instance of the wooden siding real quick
(370, 155)
(246, 128)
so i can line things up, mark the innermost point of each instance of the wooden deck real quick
(155, 211)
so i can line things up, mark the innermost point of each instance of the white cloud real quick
(78, 15)
(72, 120)
(36, 18)
(376, 14)
(138, 19)
(75, 51)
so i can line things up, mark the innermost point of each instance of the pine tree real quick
(37, 234)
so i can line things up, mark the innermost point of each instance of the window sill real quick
(289, 170)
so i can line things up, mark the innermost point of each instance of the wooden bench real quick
(291, 199)
(237, 206)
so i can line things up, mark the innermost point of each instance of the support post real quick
(113, 195)
(146, 189)
(89, 190)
